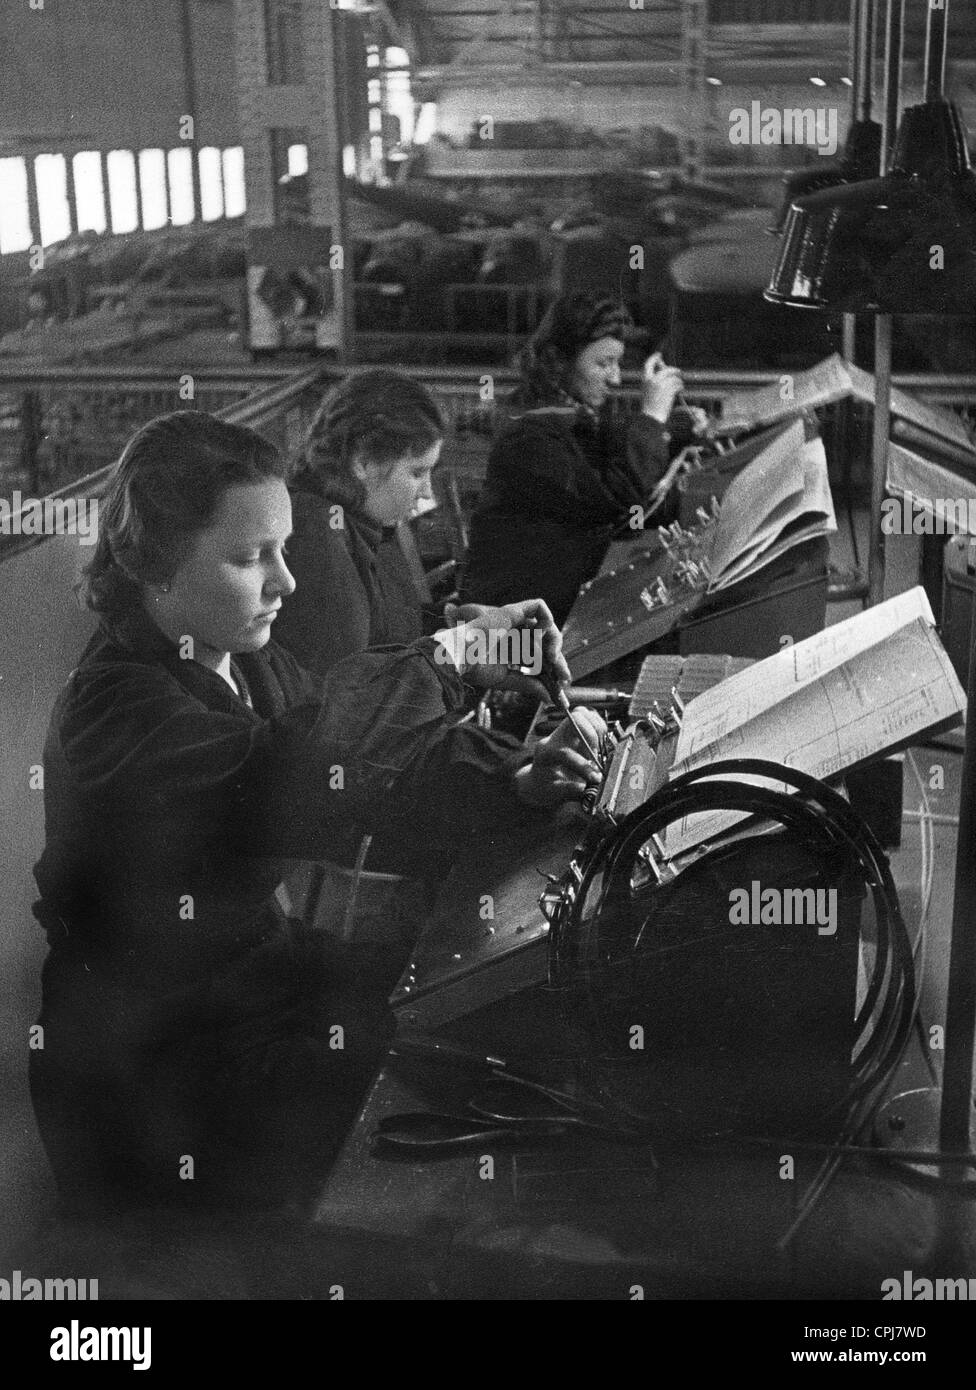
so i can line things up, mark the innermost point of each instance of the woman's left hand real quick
(561, 770)
(661, 385)
(698, 418)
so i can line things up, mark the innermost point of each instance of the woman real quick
(367, 464)
(195, 1048)
(567, 470)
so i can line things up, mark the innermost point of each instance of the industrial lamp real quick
(901, 244)
(904, 243)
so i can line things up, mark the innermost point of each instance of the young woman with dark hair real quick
(366, 465)
(567, 468)
(198, 1048)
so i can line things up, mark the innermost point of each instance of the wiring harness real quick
(626, 867)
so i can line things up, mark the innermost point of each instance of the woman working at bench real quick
(196, 1047)
(567, 468)
(366, 466)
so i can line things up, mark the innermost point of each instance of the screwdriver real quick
(557, 692)
(562, 700)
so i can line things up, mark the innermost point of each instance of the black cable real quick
(827, 822)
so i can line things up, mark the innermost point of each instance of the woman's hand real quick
(661, 386)
(688, 458)
(699, 420)
(560, 769)
(490, 644)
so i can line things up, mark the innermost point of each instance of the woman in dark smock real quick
(567, 468)
(365, 468)
(197, 1047)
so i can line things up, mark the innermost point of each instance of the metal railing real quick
(60, 423)
(70, 425)
(281, 411)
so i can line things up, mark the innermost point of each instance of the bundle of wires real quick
(584, 937)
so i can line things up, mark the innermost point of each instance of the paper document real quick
(832, 701)
(836, 380)
(779, 500)
(948, 498)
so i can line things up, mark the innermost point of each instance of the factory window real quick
(399, 101)
(15, 229)
(179, 165)
(122, 199)
(289, 171)
(283, 41)
(51, 177)
(233, 169)
(89, 191)
(426, 123)
(152, 188)
(211, 184)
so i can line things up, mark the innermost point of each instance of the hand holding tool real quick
(556, 689)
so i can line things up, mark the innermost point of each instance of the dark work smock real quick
(353, 587)
(182, 1016)
(559, 481)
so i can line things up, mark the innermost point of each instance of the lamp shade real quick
(901, 244)
(861, 160)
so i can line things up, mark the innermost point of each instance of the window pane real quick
(180, 166)
(15, 232)
(51, 177)
(234, 200)
(211, 184)
(152, 186)
(123, 208)
(89, 192)
(289, 163)
(399, 101)
(426, 123)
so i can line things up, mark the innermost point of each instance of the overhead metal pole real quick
(862, 101)
(190, 101)
(894, 40)
(694, 42)
(327, 188)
